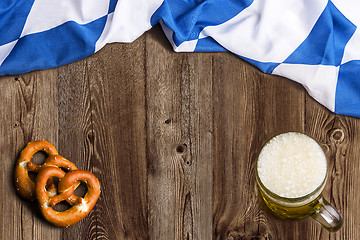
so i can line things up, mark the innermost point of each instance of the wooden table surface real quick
(173, 138)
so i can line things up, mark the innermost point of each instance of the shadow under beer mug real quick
(296, 172)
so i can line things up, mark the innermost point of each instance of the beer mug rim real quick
(288, 199)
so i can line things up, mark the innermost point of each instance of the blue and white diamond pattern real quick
(315, 43)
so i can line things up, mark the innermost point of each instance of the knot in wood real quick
(337, 135)
(181, 148)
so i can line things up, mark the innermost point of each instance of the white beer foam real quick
(292, 165)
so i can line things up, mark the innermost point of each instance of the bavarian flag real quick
(313, 42)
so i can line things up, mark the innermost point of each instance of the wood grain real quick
(173, 139)
(26, 102)
(179, 143)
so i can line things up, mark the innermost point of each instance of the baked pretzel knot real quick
(47, 192)
(24, 185)
(67, 184)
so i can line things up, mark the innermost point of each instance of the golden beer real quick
(291, 172)
(291, 208)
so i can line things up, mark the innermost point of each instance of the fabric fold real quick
(315, 43)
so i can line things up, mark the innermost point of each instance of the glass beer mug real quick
(291, 172)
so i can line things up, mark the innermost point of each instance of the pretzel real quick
(67, 184)
(24, 185)
(60, 162)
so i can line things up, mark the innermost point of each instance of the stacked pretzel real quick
(47, 192)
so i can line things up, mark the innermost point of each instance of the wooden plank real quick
(10, 202)
(179, 130)
(75, 132)
(102, 115)
(29, 112)
(117, 86)
(200, 133)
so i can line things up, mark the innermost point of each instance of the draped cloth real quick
(313, 42)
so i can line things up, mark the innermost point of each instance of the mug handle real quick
(327, 216)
